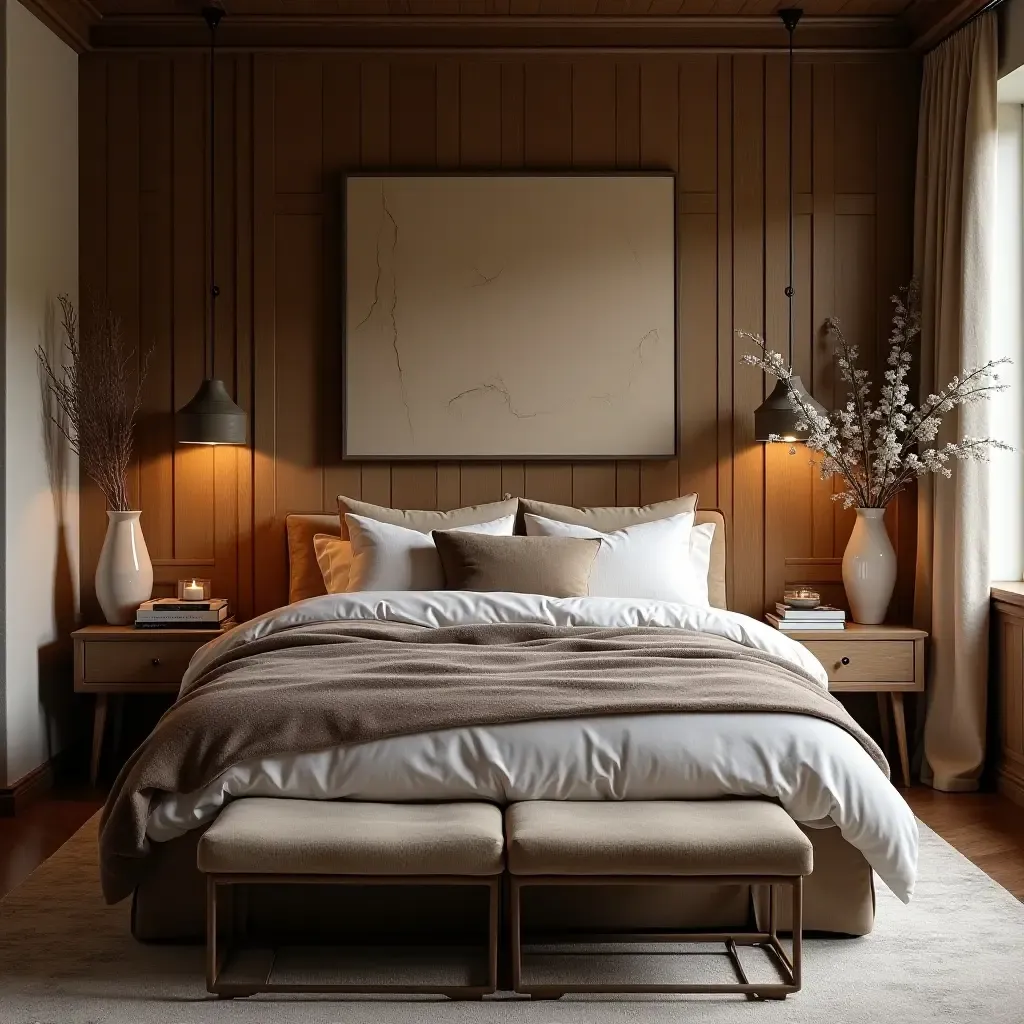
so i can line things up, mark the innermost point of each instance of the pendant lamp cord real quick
(212, 14)
(790, 17)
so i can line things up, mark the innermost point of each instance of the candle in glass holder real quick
(194, 591)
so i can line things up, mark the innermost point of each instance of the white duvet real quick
(816, 770)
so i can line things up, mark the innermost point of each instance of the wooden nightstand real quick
(122, 659)
(873, 659)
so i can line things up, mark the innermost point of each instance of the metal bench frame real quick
(790, 967)
(217, 951)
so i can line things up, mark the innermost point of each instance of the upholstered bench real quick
(273, 842)
(617, 843)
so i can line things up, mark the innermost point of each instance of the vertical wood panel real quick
(747, 538)
(298, 123)
(480, 145)
(726, 351)
(193, 464)
(547, 142)
(375, 152)
(627, 157)
(698, 280)
(856, 114)
(225, 458)
(894, 175)
(341, 153)
(299, 120)
(449, 107)
(156, 420)
(513, 112)
(269, 577)
(297, 328)
(547, 130)
(855, 308)
(243, 203)
(413, 132)
(123, 215)
(823, 256)
(781, 525)
(659, 150)
(593, 146)
(480, 114)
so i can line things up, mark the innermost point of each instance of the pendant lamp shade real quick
(776, 417)
(211, 417)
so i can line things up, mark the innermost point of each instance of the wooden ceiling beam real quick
(70, 20)
(456, 33)
(930, 22)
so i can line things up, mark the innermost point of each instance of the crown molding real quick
(930, 23)
(70, 20)
(471, 33)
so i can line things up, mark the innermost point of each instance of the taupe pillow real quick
(424, 521)
(608, 518)
(554, 566)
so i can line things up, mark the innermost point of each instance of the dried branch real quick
(99, 393)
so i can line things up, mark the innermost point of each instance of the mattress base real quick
(170, 904)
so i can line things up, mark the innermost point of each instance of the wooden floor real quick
(986, 828)
(40, 830)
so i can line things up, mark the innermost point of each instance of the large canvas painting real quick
(523, 316)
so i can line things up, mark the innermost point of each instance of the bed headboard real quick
(304, 579)
(716, 574)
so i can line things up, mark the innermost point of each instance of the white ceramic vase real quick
(124, 573)
(869, 567)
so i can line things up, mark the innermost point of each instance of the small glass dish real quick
(195, 590)
(802, 597)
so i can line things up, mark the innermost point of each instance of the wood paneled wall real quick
(289, 124)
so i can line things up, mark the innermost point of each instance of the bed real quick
(716, 740)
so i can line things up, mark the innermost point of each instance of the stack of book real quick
(791, 620)
(170, 613)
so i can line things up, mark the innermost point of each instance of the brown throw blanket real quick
(330, 684)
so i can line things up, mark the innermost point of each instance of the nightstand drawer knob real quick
(845, 661)
(156, 662)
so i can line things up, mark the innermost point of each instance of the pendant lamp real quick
(211, 417)
(776, 415)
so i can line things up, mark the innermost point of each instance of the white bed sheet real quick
(816, 770)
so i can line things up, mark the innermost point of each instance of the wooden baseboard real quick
(26, 790)
(1010, 784)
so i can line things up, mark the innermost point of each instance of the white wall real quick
(1006, 475)
(41, 500)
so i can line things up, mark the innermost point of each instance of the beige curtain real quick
(954, 222)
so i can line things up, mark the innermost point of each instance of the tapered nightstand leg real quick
(99, 725)
(883, 721)
(901, 735)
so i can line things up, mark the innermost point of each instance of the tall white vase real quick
(124, 573)
(869, 567)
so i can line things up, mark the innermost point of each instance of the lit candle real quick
(194, 591)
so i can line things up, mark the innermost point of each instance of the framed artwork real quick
(509, 316)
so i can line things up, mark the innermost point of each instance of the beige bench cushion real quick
(624, 837)
(320, 837)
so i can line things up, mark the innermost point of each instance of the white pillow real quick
(387, 557)
(649, 560)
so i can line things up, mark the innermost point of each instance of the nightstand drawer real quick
(137, 661)
(875, 661)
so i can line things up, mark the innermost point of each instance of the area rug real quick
(955, 954)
